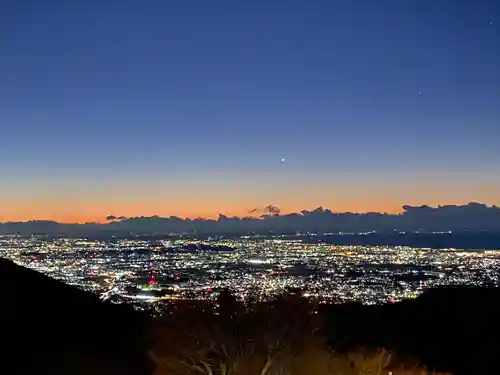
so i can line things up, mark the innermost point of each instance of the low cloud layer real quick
(469, 217)
(113, 217)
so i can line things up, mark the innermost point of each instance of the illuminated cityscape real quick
(150, 273)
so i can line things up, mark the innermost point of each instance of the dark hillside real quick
(450, 329)
(48, 327)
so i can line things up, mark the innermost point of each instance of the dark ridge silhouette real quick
(453, 329)
(48, 327)
(52, 328)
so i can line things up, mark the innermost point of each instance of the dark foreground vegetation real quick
(48, 327)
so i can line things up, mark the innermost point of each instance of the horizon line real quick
(251, 215)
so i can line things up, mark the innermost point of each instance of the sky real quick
(187, 107)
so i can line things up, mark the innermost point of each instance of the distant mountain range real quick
(472, 217)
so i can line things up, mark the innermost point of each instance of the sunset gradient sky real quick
(186, 107)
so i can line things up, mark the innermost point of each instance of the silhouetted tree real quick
(227, 304)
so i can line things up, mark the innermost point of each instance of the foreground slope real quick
(453, 329)
(48, 327)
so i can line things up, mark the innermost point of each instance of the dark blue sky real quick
(178, 101)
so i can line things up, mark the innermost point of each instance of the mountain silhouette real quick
(49, 327)
(451, 329)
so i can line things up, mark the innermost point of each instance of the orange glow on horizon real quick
(97, 214)
(71, 205)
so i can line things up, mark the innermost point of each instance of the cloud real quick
(272, 210)
(472, 217)
(113, 217)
